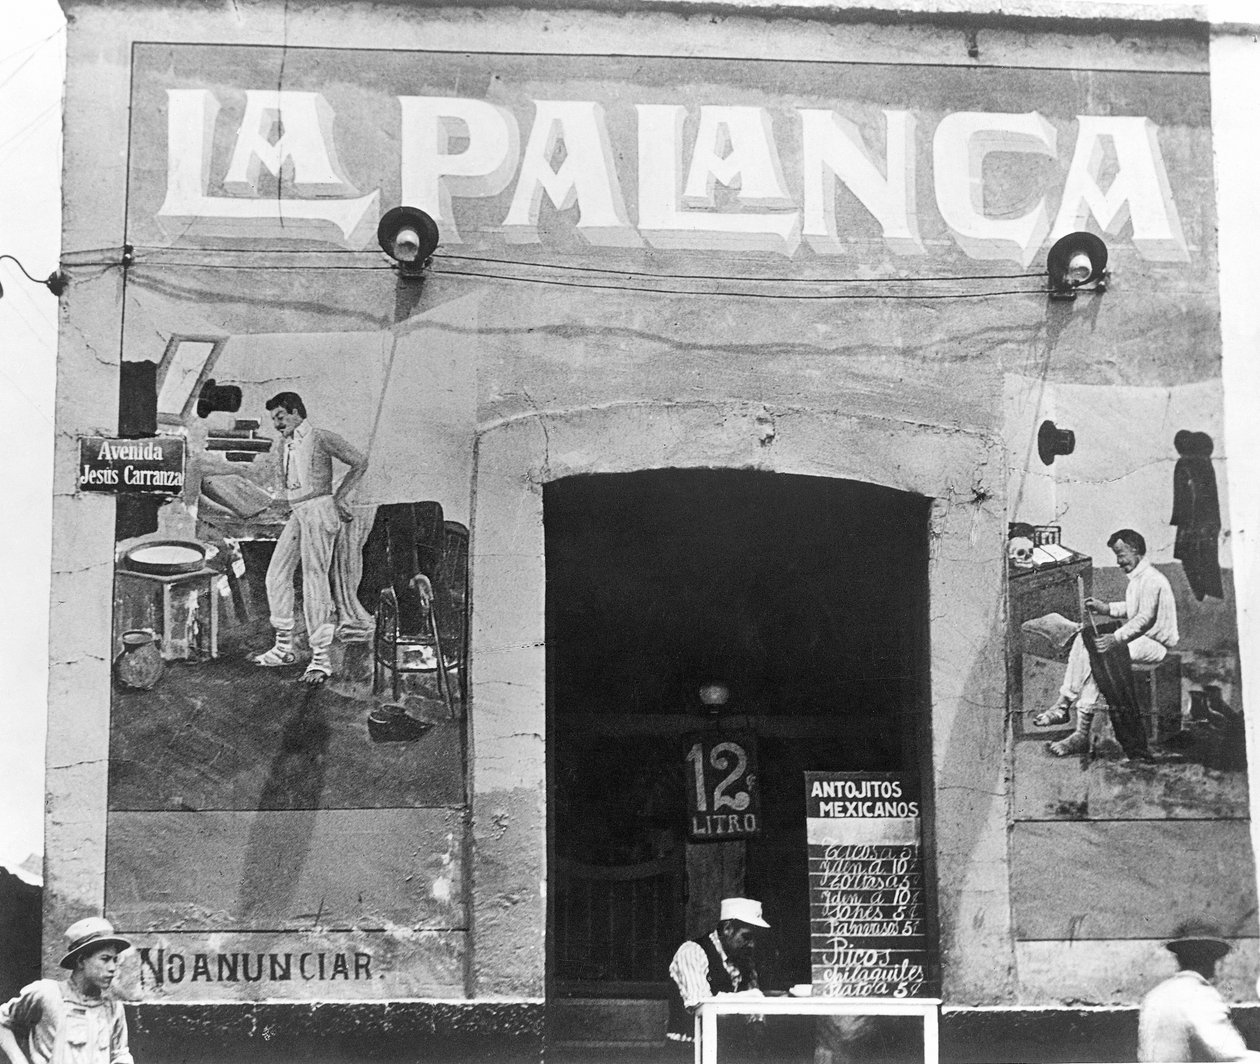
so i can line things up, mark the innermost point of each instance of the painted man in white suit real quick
(306, 464)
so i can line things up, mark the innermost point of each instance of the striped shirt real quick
(690, 971)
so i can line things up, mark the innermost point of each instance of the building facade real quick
(732, 411)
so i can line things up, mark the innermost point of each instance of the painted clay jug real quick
(139, 664)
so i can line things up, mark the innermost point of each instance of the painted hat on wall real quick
(90, 932)
(1053, 441)
(745, 910)
(1198, 935)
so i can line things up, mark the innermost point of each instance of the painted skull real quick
(1019, 550)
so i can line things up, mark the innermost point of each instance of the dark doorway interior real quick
(807, 598)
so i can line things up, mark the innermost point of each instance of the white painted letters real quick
(1138, 191)
(189, 209)
(664, 222)
(305, 141)
(962, 141)
(587, 178)
(833, 148)
(432, 173)
(735, 147)
(728, 189)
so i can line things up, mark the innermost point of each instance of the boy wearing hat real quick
(1185, 1018)
(71, 1022)
(720, 962)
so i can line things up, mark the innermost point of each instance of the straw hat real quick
(92, 931)
(1199, 936)
(745, 910)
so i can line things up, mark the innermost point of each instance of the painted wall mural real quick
(306, 610)
(738, 241)
(1128, 755)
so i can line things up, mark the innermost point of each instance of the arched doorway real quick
(806, 598)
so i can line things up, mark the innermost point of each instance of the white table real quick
(708, 1011)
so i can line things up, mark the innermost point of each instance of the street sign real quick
(150, 466)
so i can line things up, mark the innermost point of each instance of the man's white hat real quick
(92, 931)
(745, 910)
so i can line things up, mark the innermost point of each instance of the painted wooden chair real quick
(421, 614)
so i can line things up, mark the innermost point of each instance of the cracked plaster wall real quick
(912, 399)
(515, 457)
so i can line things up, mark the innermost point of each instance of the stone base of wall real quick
(506, 1032)
(338, 1033)
(980, 1036)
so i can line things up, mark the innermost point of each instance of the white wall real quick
(1235, 67)
(32, 68)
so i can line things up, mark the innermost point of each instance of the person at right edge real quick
(1185, 1018)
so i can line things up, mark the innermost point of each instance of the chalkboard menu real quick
(867, 908)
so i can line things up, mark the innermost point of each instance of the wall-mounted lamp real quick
(56, 282)
(409, 237)
(1076, 261)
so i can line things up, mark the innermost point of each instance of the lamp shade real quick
(407, 235)
(1075, 260)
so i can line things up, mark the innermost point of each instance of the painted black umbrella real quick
(1113, 673)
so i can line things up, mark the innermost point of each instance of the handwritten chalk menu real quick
(867, 908)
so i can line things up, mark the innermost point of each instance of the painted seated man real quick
(306, 464)
(1149, 631)
(721, 962)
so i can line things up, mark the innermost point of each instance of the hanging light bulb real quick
(1079, 269)
(715, 694)
(406, 245)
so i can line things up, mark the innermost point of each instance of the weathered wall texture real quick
(906, 343)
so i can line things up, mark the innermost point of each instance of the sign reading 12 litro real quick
(723, 791)
(150, 466)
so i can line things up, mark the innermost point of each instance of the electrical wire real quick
(7, 145)
(18, 264)
(656, 289)
(736, 277)
(141, 264)
(606, 275)
(21, 66)
(496, 261)
(739, 295)
(260, 251)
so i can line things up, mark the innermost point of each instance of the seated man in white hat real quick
(720, 962)
(73, 1021)
(1185, 1017)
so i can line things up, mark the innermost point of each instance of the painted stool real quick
(1159, 696)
